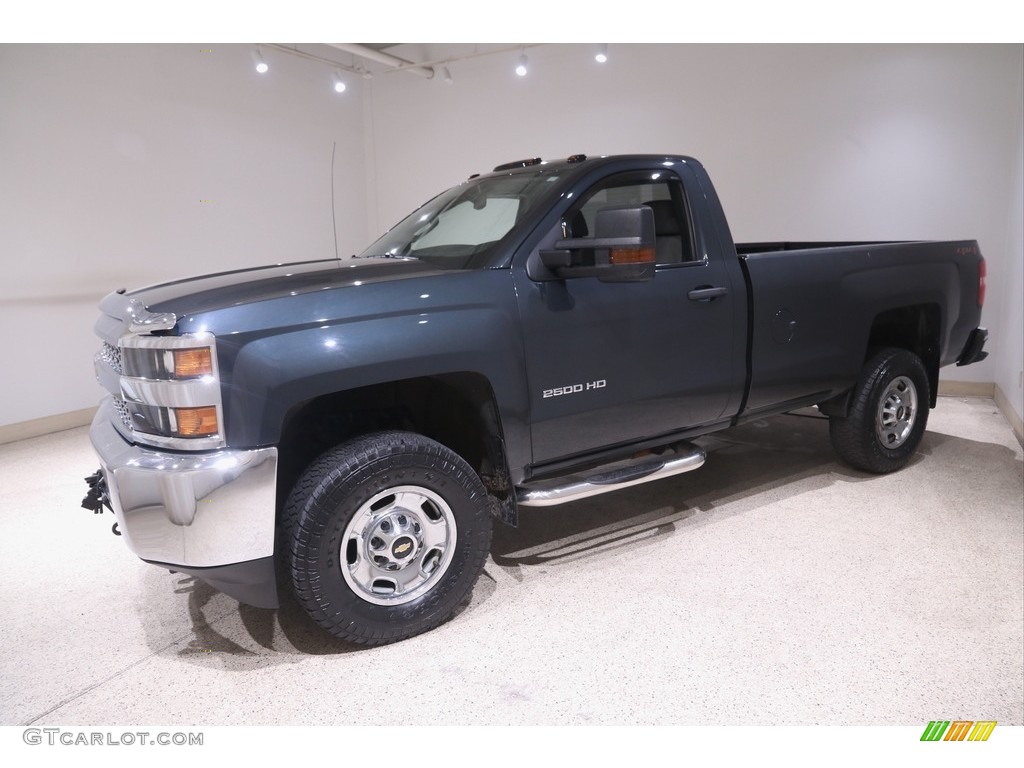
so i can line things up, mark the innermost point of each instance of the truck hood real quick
(245, 286)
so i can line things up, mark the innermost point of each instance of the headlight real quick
(167, 364)
(171, 390)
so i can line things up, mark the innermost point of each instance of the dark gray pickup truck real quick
(533, 336)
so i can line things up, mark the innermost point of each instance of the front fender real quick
(271, 371)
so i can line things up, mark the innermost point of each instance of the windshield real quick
(461, 228)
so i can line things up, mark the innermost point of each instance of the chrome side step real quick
(674, 460)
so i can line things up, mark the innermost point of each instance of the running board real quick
(674, 460)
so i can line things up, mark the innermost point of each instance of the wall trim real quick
(1006, 407)
(966, 389)
(23, 430)
(986, 389)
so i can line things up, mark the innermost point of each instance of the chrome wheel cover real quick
(897, 412)
(398, 545)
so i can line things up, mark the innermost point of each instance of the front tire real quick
(385, 537)
(888, 413)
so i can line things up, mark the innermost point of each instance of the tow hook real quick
(96, 499)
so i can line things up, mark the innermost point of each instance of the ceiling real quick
(372, 59)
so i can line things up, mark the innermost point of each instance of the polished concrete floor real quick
(772, 586)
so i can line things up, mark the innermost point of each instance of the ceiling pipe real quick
(384, 58)
(312, 57)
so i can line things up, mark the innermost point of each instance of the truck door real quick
(616, 363)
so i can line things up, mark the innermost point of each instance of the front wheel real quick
(888, 413)
(386, 536)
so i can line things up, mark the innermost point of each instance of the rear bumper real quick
(974, 349)
(207, 514)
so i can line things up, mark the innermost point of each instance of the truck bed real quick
(815, 306)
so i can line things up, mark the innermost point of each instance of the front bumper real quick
(210, 515)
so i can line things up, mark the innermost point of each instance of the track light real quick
(521, 66)
(339, 84)
(602, 54)
(261, 65)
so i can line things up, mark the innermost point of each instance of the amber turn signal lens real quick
(189, 363)
(632, 256)
(196, 422)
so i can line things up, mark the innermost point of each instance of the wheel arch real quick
(459, 410)
(915, 328)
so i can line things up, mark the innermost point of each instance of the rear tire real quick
(385, 537)
(888, 413)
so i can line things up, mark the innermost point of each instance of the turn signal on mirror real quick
(631, 256)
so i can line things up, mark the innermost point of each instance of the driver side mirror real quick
(621, 250)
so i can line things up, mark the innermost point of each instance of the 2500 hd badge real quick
(573, 389)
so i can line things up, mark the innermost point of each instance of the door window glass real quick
(661, 191)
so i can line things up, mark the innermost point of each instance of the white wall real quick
(1009, 358)
(804, 142)
(105, 155)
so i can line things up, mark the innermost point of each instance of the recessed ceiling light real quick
(261, 65)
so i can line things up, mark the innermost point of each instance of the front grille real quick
(122, 411)
(111, 355)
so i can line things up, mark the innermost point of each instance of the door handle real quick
(707, 293)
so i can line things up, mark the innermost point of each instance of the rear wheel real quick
(386, 536)
(888, 413)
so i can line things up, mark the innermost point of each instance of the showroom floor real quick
(773, 586)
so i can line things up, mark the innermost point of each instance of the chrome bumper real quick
(189, 510)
